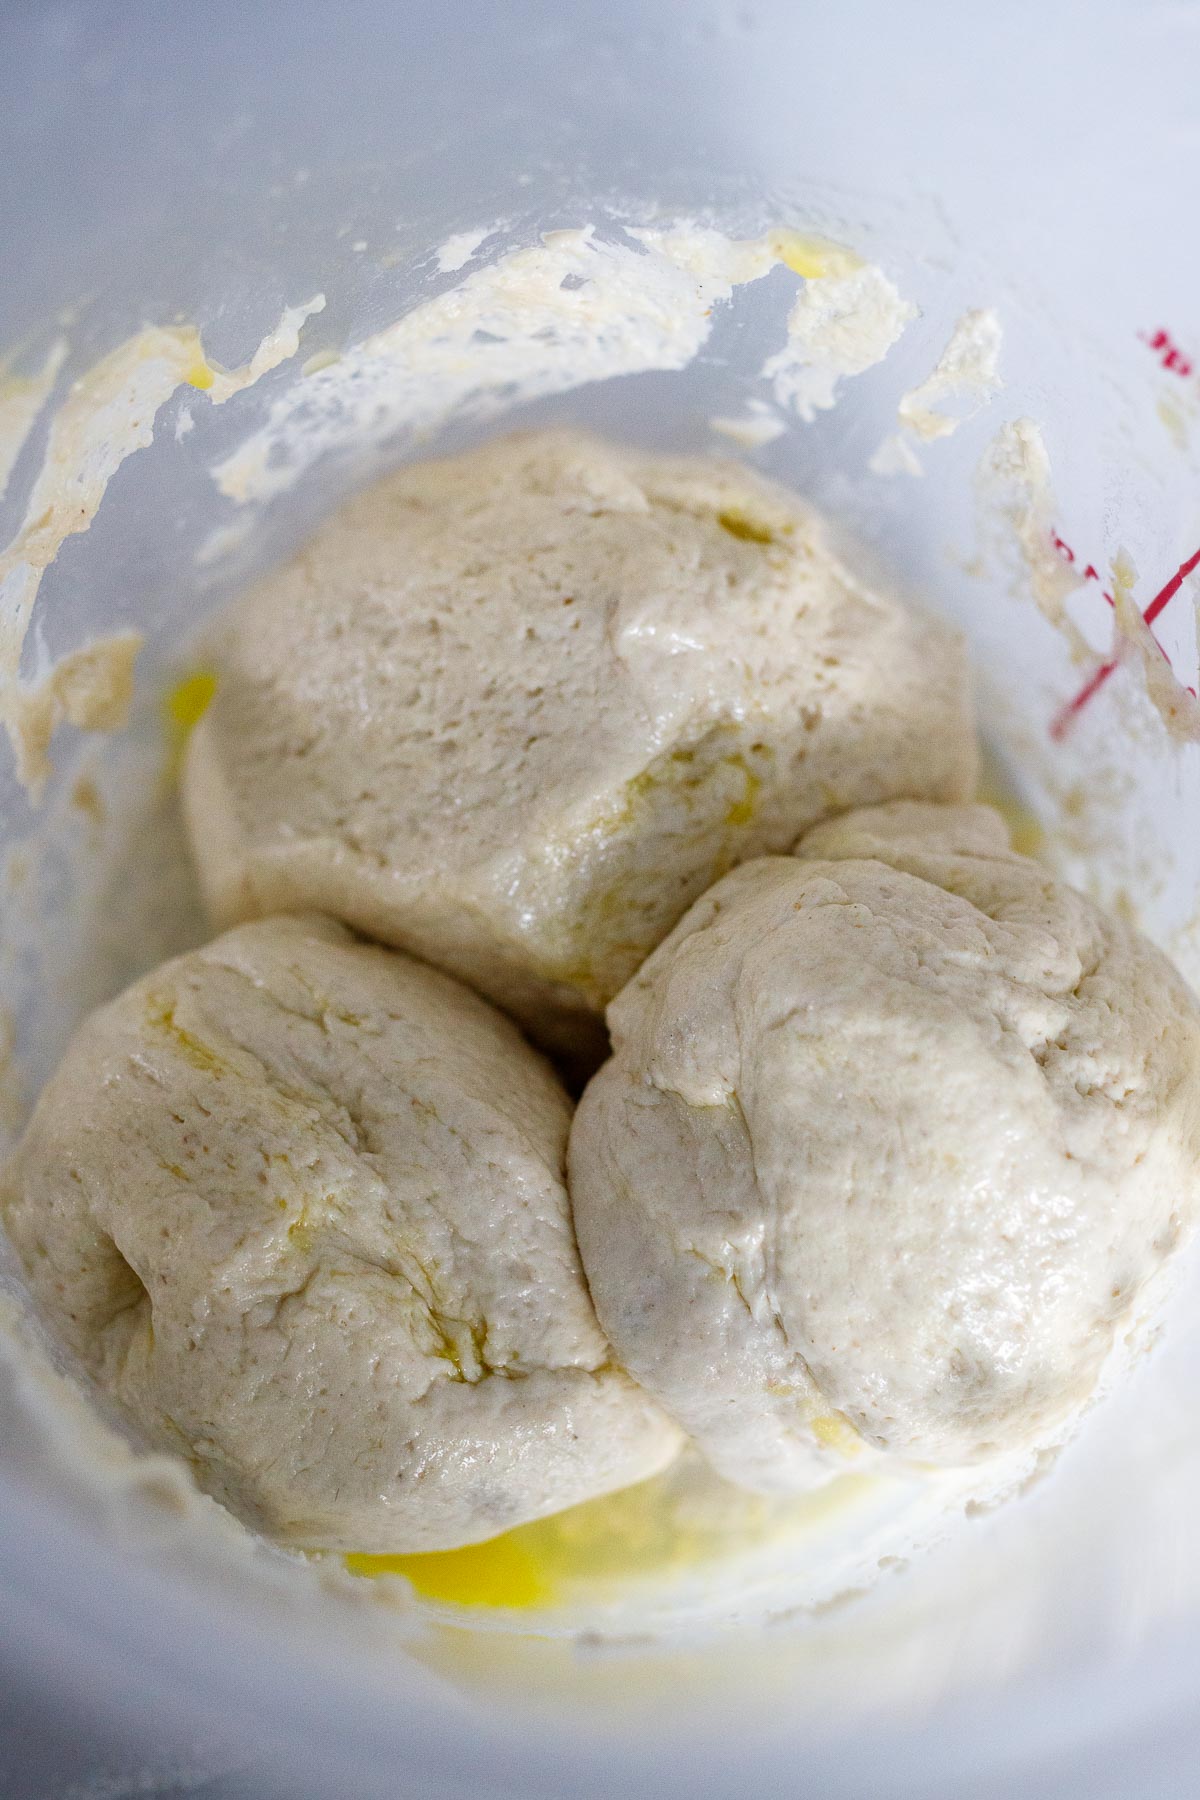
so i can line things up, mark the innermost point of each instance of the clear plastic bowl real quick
(222, 163)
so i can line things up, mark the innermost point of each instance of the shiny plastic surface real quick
(1044, 159)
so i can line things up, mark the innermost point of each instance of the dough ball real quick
(299, 1206)
(897, 1136)
(516, 710)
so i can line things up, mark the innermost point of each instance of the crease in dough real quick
(298, 1204)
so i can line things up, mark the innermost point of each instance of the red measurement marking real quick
(1168, 352)
(1063, 717)
(1091, 573)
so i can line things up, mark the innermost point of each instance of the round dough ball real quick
(514, 711)
(897, 1135)
(298, 1204)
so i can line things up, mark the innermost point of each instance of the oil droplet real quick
(814, 258)
(836, 1432)
(659, 1529)
(185, 705)
(740, 525)
(1024, 830)
(501, 1573)
(742, 811)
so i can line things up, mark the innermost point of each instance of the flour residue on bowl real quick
(964, 379)
(575, 307)
(105, 416)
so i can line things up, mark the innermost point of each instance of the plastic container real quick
(222, 163)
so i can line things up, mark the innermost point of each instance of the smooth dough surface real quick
(515, 710)
(298, 1204)
(897, 1136)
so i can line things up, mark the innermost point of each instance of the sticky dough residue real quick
(1013, 484)
(965, 377)
(459, 249)
(838, 327)
(571, 309)
(1133, 641)
(105, 416)
(90, 688)
(757, 425)
(1015, 492)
